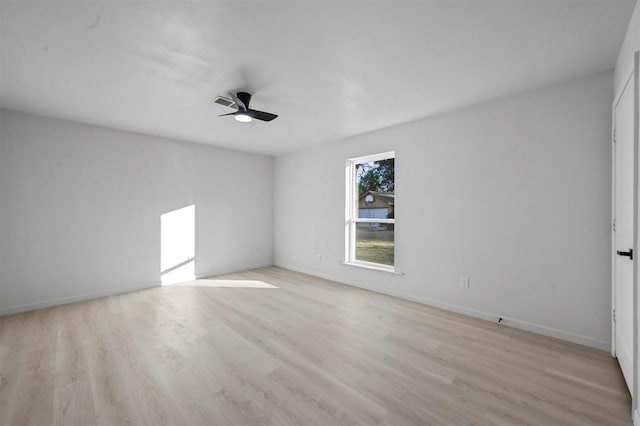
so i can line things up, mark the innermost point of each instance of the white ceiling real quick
(329, 69)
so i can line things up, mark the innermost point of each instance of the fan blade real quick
(261, 115)
(238, 102)
(231, 113)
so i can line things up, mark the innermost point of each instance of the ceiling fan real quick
(245, 114)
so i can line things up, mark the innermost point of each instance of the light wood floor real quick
(310, 352)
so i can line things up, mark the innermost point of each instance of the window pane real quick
(376, 176)
(376, 186)
(375, 243)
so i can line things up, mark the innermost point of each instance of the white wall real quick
(630, 45)
(81, 209)
(514, 194)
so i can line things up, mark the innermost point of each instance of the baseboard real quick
(492, 317)
(77, 298)
(487, 316)
(111, 292)
(234, 270)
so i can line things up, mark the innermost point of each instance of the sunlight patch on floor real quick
(226, 283)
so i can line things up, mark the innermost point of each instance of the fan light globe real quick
(243, 117)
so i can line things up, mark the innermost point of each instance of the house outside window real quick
(370, 211)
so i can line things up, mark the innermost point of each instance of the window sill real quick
(373, 267)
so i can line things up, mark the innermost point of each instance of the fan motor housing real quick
(245, 98)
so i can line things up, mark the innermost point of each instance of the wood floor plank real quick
(306, 351)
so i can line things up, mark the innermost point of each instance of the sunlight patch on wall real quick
(178, 245)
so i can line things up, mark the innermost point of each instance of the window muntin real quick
(370, 231)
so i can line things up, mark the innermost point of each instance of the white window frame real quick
(351, 211)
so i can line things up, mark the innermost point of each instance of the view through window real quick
(372, 210)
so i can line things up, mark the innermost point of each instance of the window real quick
(370, 211)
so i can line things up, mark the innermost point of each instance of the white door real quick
(623, 235)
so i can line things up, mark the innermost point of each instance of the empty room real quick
(199, 205)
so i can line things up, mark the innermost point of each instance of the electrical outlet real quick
(464, 282)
